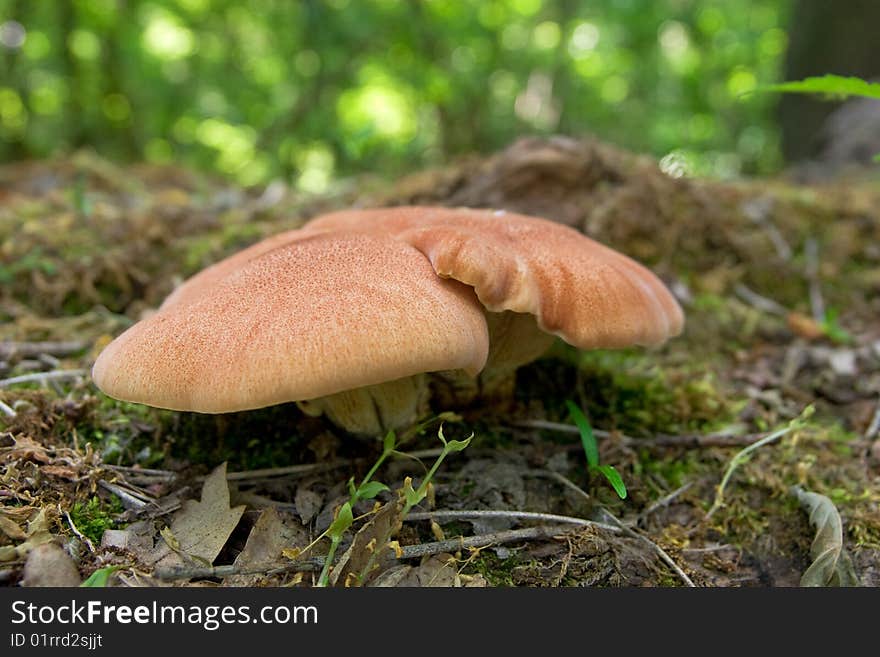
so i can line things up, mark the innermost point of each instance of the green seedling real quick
(745, 454)
(832, 328)
(414, 496)
(591, 449)
(369, 489)
(100, 577)
(366, 490)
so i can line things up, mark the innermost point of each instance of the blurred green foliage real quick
(313, 90)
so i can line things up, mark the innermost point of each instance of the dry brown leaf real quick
(440, 570)
(62, 471)
(25, 448)
(370, 553)
(50, 565)
(37, 534)
(832, 565)
(200, 529)
(437, 571)
(804, 326)
(11, 529)
(273, 532)
(308, 503)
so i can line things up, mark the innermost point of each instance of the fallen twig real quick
(709, 440)
(79, 535)
(507, 515)
(42, 377)
(811, 271)
(143, 475)
(620, 526)
(308, 468)
(761, 303)
(286, 471)
(665, 500)
(406, 552)
(6, 409)
(481, 540)
(31, 349)
(129, 500)
(874, 426)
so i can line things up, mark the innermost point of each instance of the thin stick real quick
(811, 270)
(30, 349)
(79, 535)
(783, 250)
(42, 377)
(565, 428)
(301, 469)
(568, 483)
(7, 409)
(666, 500)
(619, 526)
(482, 540)
(507, 515)
(761, 303)
(874, 427)
(739, 458)
(137, 470)
(407, 552)
(128, 500)
(709, 440)
(307, 468)
(419, 454)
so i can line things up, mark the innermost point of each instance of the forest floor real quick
(730, 480)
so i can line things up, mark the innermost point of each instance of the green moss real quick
(630, 392)
(125, 432)
(497, 571)
(94, 517)
(674, 471)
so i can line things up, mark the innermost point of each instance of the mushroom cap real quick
(193, 287)
(584, 292)
(314, 316)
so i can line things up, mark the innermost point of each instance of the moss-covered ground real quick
(781, 288)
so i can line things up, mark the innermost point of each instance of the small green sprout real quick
(591, 449)
(100, 577)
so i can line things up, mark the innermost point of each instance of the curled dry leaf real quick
(831, 565)
(11, 529)
(25, 448)
(37, 534)
(370, 552)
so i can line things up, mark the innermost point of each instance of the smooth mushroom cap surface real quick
(318, 315)
(584, 292)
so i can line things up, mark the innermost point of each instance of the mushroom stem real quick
(514, 340)
(374, 410)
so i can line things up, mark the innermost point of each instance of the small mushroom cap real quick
(586, 293)
(318, 315)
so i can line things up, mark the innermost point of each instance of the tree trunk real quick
(825, 37)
